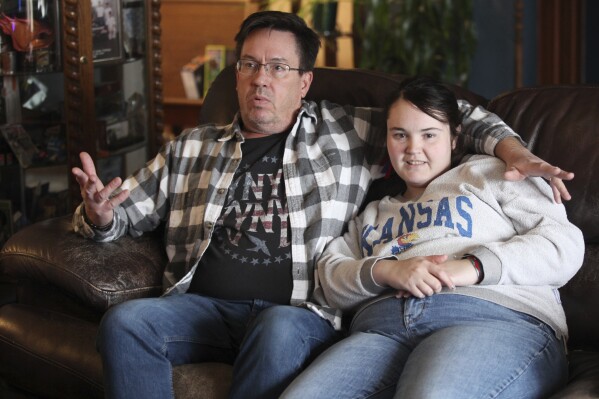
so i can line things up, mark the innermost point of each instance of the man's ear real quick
(306, 81)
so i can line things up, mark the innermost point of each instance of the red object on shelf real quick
(26, 34)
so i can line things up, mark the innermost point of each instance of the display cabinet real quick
(76, 75)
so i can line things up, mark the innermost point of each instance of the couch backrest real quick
(561, 125)
(342, 86)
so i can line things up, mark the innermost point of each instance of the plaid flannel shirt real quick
(331, 156)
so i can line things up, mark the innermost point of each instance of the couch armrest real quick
(100, 274)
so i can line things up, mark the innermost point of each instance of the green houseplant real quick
(322, 13)
(427, 37)
(414, 37)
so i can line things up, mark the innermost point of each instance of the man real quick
(248, 208)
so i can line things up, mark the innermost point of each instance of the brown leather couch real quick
(54, 285)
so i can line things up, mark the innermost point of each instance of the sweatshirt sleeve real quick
(546, 250)
(482, 130)
(344, 273)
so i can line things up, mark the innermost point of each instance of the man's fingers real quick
(118, 199)
(554, 174)
(559, 190)
(87, 164)
(563, 175)
(80, 176)
(105, 193)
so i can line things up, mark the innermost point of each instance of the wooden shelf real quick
(181, 113)
(183, 101)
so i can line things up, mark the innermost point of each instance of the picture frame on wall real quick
(107, 31)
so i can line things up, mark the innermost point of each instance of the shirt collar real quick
(233, 130)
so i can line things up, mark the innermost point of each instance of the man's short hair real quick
(307, 41)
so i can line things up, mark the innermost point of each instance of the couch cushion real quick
(202, 381)
(50, 252)
(49, 353)
(583, 382)
(560, 125)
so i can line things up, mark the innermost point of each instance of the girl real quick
(454, 282)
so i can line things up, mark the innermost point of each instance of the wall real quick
(591, 45)
(493, 68)
(188, 26)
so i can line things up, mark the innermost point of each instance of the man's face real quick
(269, 105)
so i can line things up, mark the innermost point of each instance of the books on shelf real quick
(199, 73)
(220, 56)
(192, 76)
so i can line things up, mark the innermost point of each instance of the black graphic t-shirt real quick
(249, 256)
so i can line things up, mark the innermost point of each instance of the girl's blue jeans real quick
(442, 346)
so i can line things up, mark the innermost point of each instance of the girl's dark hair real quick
(308, 42)
(431, 97)
(434, 99)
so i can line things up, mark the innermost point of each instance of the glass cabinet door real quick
(120, 86)
(112, 56)
(33, 183)
(75, 75)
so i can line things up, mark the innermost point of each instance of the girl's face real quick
(419, 146)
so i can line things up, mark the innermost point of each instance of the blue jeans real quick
(442, 346)
(141, 340)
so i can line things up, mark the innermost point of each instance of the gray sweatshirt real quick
(524, 240)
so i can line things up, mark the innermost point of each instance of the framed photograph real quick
(107, 32)
(113, 135)
(6, 228)
(134, 38)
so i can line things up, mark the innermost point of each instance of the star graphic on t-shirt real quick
(255, 261)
